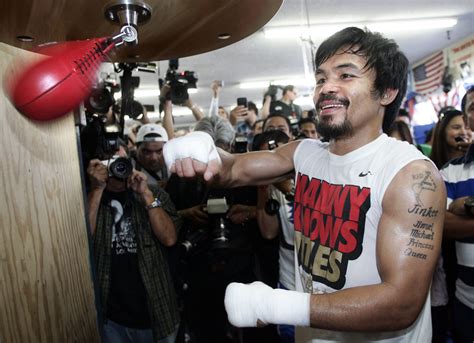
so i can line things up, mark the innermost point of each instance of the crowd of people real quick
(275, 225)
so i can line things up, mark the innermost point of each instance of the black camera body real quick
(240, 144)
(179, 82)
(101, 97)
(215, 238)
(272, 91)
(118, 167)
(217, 208)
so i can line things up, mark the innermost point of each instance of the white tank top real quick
(338, 205)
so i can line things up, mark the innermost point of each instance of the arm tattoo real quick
(423, 182)
(421, 240)
(421, 233)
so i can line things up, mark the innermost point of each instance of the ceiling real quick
(179, 28)
(257, 58)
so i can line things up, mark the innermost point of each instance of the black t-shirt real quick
(127, 301)
(238, 257)
(291, 111)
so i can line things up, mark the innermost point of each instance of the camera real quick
(101, 97)
(240, 144)
(272, 91)
(179, 82)
(193, 241)
(242, 101)
(215, 238)
(272, 144)
(119, 167)
(219, 232)
(133, 108)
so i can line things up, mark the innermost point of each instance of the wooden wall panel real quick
(46, 290)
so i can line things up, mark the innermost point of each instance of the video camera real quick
(102, 140)
(272, 91)
(179, 82)
(102, 96)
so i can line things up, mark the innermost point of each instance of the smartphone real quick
(240, 144)
(242, 102)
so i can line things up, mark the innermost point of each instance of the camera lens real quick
(193, 241)
(121, 168)
(272, 207)
(220, 238)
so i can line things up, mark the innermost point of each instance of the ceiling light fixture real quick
(24, 38)
(224, 36)
(392, 26)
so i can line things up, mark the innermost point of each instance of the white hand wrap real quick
(247, 303)
(197, 145)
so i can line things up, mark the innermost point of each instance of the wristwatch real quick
(155, 204)
(469, 205)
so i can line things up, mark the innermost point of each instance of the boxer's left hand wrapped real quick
(191, 155)
(246, 304)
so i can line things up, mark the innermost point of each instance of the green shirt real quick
(152, 261)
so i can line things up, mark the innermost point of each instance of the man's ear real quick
(388, 96)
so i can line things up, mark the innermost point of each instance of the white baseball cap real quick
(150, 132)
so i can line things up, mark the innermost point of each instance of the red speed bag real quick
(57, 84)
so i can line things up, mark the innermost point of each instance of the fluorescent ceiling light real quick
(304, 101)
(392, 26)
(146, 93)
(298, 82)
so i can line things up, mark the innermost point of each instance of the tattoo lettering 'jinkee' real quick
(421, 239)
(424, 212)
(424, 182)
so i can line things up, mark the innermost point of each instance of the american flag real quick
(429, 74)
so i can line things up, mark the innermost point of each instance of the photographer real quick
(131, 225)
(278, 122)
(307, 128)
(243, 118)
(283, 106)
(149, 153)
(218, 237)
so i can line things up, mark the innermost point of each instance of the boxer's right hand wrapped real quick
(248, 304)
(191, 155)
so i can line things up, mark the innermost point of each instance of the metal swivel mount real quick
(128, 14)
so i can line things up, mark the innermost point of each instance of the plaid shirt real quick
(152, 261)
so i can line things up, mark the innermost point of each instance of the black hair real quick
(290, 88)
(264, 137)
(403, 130)
(306, 120)
(382, 54)
(464, 99)
(403, 113)
(252, 107)
(439, 152)
(277, 115)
